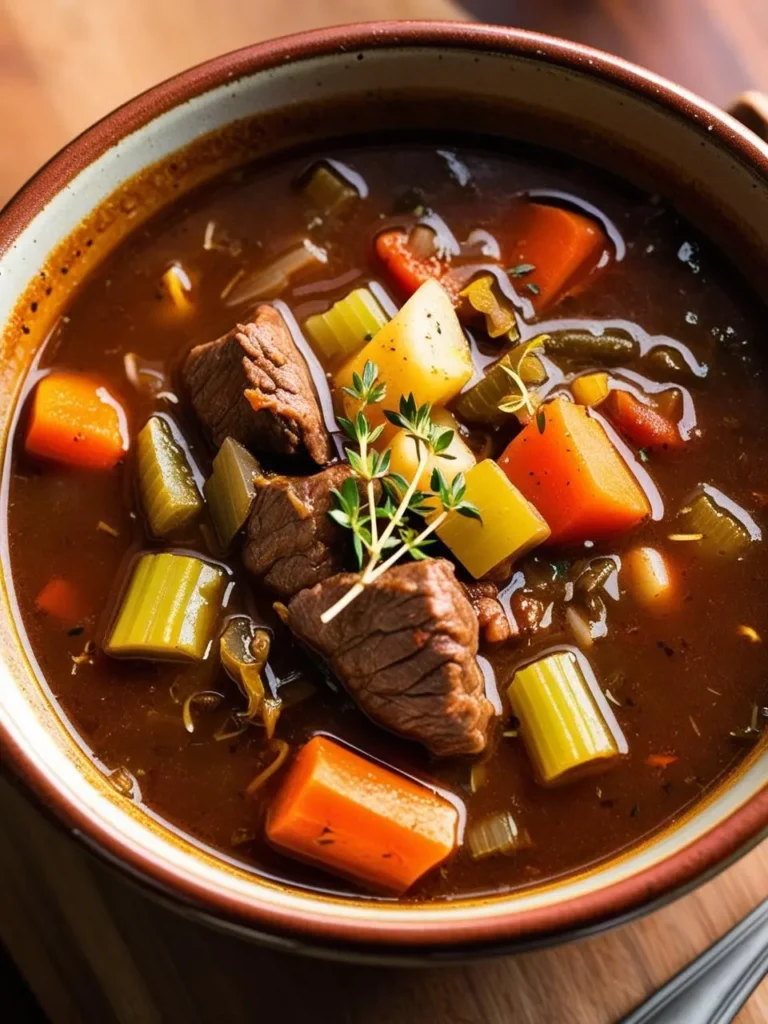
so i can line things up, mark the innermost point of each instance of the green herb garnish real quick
(356, 505)
(522, 398)
(533, 288)
(521, 270)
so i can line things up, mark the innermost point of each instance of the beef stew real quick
(517, 629)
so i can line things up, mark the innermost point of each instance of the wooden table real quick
(93, 949)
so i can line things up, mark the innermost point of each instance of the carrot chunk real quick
(561, 247)
(76, 421)
(640, 423)
(660, 760)
(565, 464)
(363, 821)
(409, 271)
(60, 599)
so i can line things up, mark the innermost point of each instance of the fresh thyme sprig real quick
(521, 399)
(399, 498)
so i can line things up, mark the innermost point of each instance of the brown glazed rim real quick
(683, 869)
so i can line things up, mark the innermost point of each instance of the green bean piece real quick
(717, 529)
(347, 325)
(168, 490)
(611, 347)
(595, 575)
(169, 610)
(328, 191)
(230, 490)
(668, 361)
(479, 405)
(566, 723)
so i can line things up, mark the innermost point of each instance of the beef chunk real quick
(291, 543)
(253, 385)
(493, 620)
(405, 650)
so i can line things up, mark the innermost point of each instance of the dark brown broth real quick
(682, 683)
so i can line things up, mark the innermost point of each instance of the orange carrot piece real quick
(356, 818)
(76, 421)
(660, 760)
(60, 599)
(409, 271)
(563, 247)
(565, 464)
(640, 423)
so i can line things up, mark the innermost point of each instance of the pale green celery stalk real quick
(230, 490)
(565, 721)
(170, 609)
(168, 491)
(347, 325)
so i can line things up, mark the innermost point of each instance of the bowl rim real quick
(702, 857)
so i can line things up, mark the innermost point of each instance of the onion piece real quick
(146, 377)
(282, 750)
(496, 835)
(651, 579)
(580, 628)
(207, 700)
(271, 281)
(177, 285)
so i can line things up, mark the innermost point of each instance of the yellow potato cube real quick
(590, 389)
(510, 525)
(422, 350)
(405, 459)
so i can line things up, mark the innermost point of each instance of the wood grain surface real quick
(94, 949)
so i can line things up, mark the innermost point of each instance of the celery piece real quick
(327, 190)
(230, 489)
(565, 721)
(168, 491)
(480, 404)
(725, 528)
(612, 346)
(169, 609)
(347, 325)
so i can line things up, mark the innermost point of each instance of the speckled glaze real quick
(702, 153)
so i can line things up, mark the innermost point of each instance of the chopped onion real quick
(207, 700)
(270, 281)
(580, 628)
(144, 377)
(478, 776)
(496, 835)
(282, 749)
(177, 285)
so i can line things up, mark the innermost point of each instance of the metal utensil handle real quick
(751, 108)
(713, 988)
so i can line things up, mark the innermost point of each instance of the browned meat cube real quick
(253, 385)
(494, 622)
(291, 542)
(405, 650)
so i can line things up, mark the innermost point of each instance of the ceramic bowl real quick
(226, 111)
